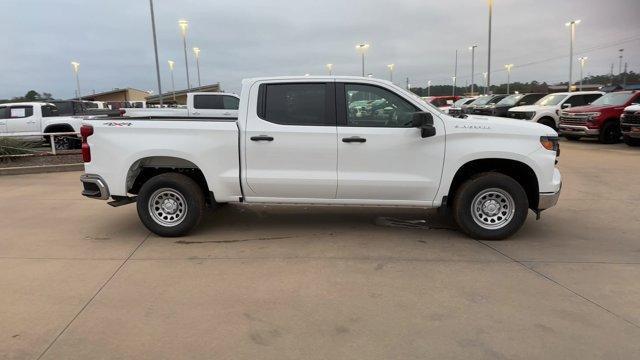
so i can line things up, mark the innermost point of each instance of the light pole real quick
(330, 69)
(391, 67)
(572, 24)
(173, 83)
(473, 59)
(453, 79)
(486, 82)
(489, 46)
(429, 88)
(508, 67)
(76, 67)
(196, 51)
(620, 63)
(362, 48)
(582, 61)
(155, 50)
(184, 24)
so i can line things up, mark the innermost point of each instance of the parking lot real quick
(82, 280)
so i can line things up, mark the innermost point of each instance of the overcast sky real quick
(245, 38)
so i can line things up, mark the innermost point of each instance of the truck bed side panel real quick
(212, 146)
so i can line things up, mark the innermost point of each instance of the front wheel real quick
(170, 204)
(610, 133)
(490, 206)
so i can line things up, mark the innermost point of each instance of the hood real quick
(498, 125)
(588, 108)
(531, 108)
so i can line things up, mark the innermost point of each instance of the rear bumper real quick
(94, 187)
(578, 130)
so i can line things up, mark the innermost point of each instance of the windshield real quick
(613, 99)
(551, 99)
(482, 100)
(510, 100)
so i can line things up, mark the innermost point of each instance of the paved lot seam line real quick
(92, 297)
(560, 284)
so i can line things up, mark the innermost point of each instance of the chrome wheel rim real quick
(493, 208)
(167, 207)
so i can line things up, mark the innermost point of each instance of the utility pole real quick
(624, 77)
(455, 74)
(473, 59)
(489, 47)
(620, 63)
(155, 49)
(429, 88)
(408, 85)
(611, 74)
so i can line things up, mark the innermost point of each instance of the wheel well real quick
(144, 169)
(58, 128)
(517, 170)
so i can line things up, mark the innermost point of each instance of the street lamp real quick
(155, 50)
(582, 61)
(486, 82)
(508, 67)
(196, 51)
(473, 58)
(173, 83)
(572, 24)
(453, 79)
(429, 88)
(76, 67)
(184, 24)
(621, 51)
(330, 69)
(391, 67)
(489, 46)
(362, 48)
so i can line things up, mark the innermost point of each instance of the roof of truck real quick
(26, 103)
(317, 77)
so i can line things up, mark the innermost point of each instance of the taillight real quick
(86, 131)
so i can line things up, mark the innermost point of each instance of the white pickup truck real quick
(325, 140)
(546, 111)
(31, 119)
(199, 104)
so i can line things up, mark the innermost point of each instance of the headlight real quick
(593, 115)
(550, 143)
(531, 115)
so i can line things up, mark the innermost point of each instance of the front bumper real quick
(94, 187)
(548, 200)
(630, 130)
(578, 130)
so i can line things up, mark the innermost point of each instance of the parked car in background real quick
(547, 110)
(483, 102)
(441, 102)
(31, 119)
(600, 119)
(456, 109)
(302, 140)
(501, 108)
(199, 104)
(81, 108)
(630, 125)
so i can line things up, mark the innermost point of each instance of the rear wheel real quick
(610, 133)
(631, 141)
(170, 204)
(490, 206)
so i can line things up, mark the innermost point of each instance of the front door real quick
(380, 155)
(290, 142)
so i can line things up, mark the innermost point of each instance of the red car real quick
(600, 119)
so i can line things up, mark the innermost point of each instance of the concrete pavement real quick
(82, 280)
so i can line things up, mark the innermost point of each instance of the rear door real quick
(21, 119)
(290, 142)
(380, 155)
(214, 105)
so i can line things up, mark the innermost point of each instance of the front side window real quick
(591, 98)
(297, 104)
(208, 102)
(372, 106)
(230, 102)
(20, 111)
(49, 110)
(510, 100)
(530, 99)
(576, 100)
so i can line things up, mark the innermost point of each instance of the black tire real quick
(610, 133)
(549, 122)
(513, 213)
(631, 141)
(572, 137)
(179, 203)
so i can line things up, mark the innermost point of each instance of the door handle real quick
(262, 138)
(196, 113)
(356, 139)
(227, 113)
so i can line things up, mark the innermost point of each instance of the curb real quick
(41, 169)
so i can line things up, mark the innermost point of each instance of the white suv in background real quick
(546, 111)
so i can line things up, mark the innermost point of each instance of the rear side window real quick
(530, 99)
(48, 110)
(20, 111)
(208, 102)
(3, 112)
(297, 104)
(230, 102)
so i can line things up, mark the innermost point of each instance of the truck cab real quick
(600, 119)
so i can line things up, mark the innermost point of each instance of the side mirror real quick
(566, 105)
(424, 121)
